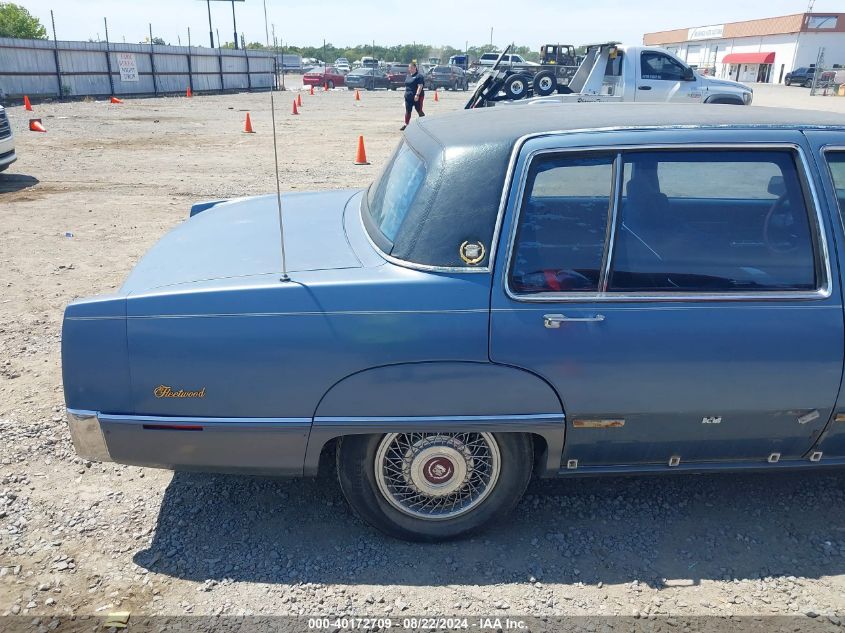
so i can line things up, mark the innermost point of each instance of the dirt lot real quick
(88, 198)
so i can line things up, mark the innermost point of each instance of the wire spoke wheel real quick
(437, 476)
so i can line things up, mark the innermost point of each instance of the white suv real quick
(488, 59)
(7, 141)
(342, 64)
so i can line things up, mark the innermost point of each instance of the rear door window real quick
(714, 221)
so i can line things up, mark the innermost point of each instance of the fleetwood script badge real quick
(472, 252)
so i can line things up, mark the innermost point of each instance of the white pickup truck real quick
(7, 141)
(609, 72)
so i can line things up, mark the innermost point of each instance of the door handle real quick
(643, 87)
(553, 321)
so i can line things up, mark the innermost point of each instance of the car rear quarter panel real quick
(273, 349)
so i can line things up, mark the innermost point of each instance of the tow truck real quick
(608, 72)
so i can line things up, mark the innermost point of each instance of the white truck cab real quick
(649, 73)
(7, 141)
(609, 72)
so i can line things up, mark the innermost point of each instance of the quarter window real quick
(563, 223)
(659, 66)
(712, 221)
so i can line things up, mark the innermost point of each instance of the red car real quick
(324, 76)
(396, 74)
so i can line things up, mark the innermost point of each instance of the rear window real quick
(490, 56)
(391, 196)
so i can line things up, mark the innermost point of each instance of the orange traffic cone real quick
(35, 126)
(299, 100)
(248, 125)
(295, 111)
(26, 104)
(361, 155)
(312, 90)
(436, 98)
(325, 87)
(116, 100)
(188, 93)
(357, 95)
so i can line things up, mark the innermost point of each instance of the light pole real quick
(234, 24)
(210, 30)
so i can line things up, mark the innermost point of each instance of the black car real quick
(802, 76)
(367, 79)
(448, 77)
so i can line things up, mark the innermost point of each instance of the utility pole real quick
(491, 36)
(210, 30)
(59, 90)
(234, 24)
(153, 61)
(108, 56)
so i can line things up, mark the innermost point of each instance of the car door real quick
(661, 77)
(679, 299)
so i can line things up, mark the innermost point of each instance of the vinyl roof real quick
(466, 156)
(508, 123)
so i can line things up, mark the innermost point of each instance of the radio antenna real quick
(285, 276)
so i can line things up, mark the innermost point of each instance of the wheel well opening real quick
(327, 465)
(541, 449)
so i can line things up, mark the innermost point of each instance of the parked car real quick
(7, 142)
(801, 76)
(367, 79)
(601, 289)
(324, 76)
(488, 59)
(342, 64)
(396, 74)
(448, 77)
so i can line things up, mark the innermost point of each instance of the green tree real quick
(16, 21)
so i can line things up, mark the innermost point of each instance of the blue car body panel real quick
(205, 359)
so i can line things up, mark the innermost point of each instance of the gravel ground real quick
(88, 198)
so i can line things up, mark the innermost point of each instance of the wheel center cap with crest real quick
(438, 470)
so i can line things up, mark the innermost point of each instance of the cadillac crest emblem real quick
(472, 252)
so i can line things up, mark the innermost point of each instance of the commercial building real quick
(758, 50)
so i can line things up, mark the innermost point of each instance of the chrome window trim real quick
(822, 252)
(617, 176)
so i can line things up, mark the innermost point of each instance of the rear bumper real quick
(236, 445)
(87, 436)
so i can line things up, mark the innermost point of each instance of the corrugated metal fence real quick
(42, 67)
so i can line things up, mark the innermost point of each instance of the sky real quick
(389, 22)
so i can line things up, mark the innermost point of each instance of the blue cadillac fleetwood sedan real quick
(568, 291)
